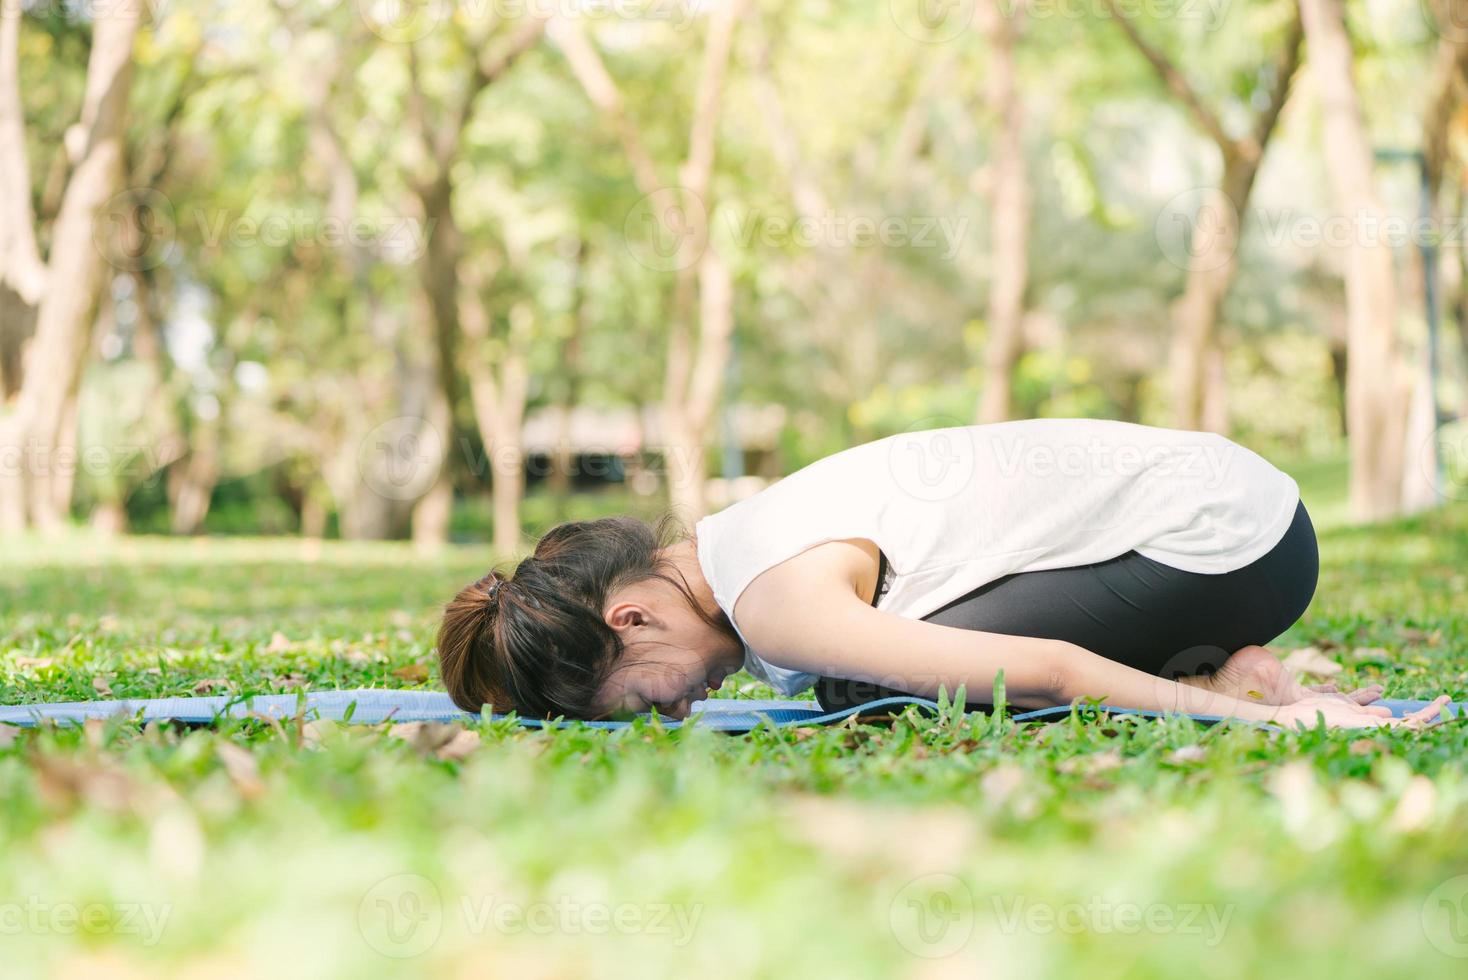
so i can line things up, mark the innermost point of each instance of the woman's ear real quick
(625, 613)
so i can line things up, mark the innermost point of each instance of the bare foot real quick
(1255, 674)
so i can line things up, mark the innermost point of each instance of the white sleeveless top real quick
(955, 508)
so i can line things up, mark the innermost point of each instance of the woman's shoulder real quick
(845, 563)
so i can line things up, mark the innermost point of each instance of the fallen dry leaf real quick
(242, 769)
(1187, 753)
(211, 684)
(436, 738)
(459, 747)
(278, 643)
(100, 685)
(315, 733)
(35, 663)
(1310, 660)
(92, 731)
(407, 730)
(1371, 653)
(416, 673)
(64, 782)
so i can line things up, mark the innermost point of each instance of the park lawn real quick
(961, 846)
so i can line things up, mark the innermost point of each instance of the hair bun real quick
(494, 586)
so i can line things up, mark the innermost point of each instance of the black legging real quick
(1134, 610)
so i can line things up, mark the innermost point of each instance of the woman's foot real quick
(1255, 674)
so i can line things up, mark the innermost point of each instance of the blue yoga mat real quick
(368, 706)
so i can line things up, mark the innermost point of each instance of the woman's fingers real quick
(1366, 695)
(1337, 713)
(1342, 713)
(1361, 695)
(1423, 717)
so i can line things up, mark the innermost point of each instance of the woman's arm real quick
(823, 627)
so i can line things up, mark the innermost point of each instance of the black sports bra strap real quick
(881, 576)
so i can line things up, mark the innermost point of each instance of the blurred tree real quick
(1197, 392)
(1378, 383)
(695, 367)
(39, 406)
(1009, 203)
(1449, 74)
(440, 133)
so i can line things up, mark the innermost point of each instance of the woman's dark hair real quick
(537, 643)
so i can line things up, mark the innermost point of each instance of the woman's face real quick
(672, 657)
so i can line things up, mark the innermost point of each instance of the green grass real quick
(1123, 848)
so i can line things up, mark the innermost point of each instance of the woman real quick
(1141, 566)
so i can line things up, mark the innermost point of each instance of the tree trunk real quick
(499, 412)
(688, 415)
(431, 512)
(439, 275)
(313, 515)
(1420, 489)
(22, 274)
(53, 363)
(1376, 402)
(1009, 233)
(109, 517)
(191, 481)
(1215, 389)
(17, 323)
(1419, 461)
(1339, 370)
(562, 458)
(1212, 263)
(63, 473)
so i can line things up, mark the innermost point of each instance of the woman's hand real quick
(1361, 695)
(1340, 712)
